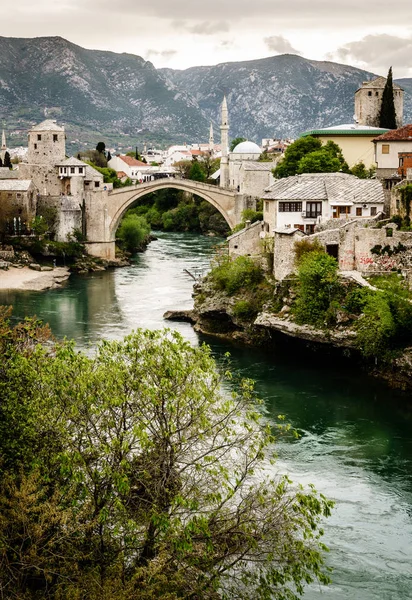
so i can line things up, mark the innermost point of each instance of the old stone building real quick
(17, 205)
(368, 100)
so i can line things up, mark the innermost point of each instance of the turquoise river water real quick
(355, 443)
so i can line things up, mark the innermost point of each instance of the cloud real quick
(202, 27)
(377, 53)
(280, 45)
(165, 54)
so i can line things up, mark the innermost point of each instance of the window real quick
(64, 169)
(369, 93)
(340, 211)
(266, 205)
(72, 169)
(38, 137)
(310, 229)
(376, 93)
(290, 206)
(18, 195)
(299, 226)
(385, 148)
(97, 184)
(35, 146)
(373, 211)
(313, 209)
(358, 211)
(80, 170)
(55, 138)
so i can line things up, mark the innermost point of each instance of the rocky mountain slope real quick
(99, 93)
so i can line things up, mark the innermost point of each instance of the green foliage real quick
(244, 309)
(110, 176)
(235, 142)
(196, 172)
(293, 154)
(133, 232)
(308, 155)
(7, 162)
(131, 470)
(248, 215)
(388, 250)
(387, 115)
(359, 170)
(317, 281)
(320, 161)
(232, 275)
(39, 226)
(182, 218)
(376, 327)
(304, 247)
(406, 200)
(101, 148)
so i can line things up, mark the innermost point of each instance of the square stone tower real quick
(47, 144)
(368, 100)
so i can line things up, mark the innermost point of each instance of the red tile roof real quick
(196, 152)
(132, 162)
(121, 174)
(396, 135)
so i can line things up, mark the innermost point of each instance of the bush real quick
(133, 231)
(317, 286)
(244, 309)
(376, 326)
(232, 275)
(303, 248)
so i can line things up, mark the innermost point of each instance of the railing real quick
(311, 214)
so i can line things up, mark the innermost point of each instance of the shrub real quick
(376, 327)
(303, 247)
(244, 309)
(317, 286)
(232, 275)
(133, 231)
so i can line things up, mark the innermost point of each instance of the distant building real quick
(392, 152)
(368, 101)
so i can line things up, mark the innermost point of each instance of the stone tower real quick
(3, 149)
(211, 140)
(368, 100)
(47, 144)
(224, 142)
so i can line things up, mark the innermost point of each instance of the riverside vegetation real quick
(378, 321)
(131, 474)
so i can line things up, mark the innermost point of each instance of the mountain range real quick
(105, 95)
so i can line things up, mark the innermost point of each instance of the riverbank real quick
(23, 278)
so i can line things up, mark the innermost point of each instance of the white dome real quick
(247, 148)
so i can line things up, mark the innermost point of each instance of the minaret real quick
(224, 142)
(211, 140)
(3, 145)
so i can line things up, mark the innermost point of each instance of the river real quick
(355, 440)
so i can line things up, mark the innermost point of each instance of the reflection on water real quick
(355, 442)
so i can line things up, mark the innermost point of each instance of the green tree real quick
(7, 161)
(109, 156)
(149, 482)
(359, 170)
(196, 172)
(101, 148)
(133, 231)
(320, 161)
(235, 142)
(294, 153)
(387, 115)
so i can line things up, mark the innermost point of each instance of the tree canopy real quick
(101, 148)
(309, 155)
(7, 162)
(387, 115)
(130, 473)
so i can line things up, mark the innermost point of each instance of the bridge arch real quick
(120, 200)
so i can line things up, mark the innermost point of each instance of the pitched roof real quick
(333, 187)
(121, 174)
(254, 165)
(47, 125)
(71, 162)
(14, 185)
(378, 82)
(396, 135)
(132, 162)
(92, 173)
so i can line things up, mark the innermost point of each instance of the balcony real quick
(311, 214)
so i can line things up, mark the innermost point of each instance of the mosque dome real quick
(247, 148)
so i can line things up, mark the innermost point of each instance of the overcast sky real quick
(373, 34)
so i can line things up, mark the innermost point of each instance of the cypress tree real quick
(7, 161)
(387, 115)
(1, 162)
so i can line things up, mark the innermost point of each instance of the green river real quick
(355, 443)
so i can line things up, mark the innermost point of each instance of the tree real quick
(101, 148)
(183, 167)
(196, 172)
(359, 170)
(133, 231)
(235, 142)
(290, 162)
(149, 481)
(320, 161)
(109, 156)
(7, 161)
(387, 115)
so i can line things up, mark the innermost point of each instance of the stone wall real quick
(247, 241)
(284, 254)
(68, 214)
(44, 177)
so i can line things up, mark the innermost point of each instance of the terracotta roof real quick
(396, 135)
(121, 174)
(196, 152)
(132, 162)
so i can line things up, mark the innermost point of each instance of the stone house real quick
(18, 202)
(368, 101)
(391, 149)
(136, 170)
(307, 200)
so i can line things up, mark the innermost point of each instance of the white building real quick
(303, 201)
(391, 150)
(134, 169)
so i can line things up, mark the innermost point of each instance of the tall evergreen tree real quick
(7, 161)
(387, 115)
(1, 162)
(109, 156)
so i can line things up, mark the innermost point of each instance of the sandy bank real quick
(27, 279)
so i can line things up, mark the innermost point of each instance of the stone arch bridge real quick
(104, 211)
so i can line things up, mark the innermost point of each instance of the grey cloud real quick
(378, 52)
(162, 53)
(280, 45)
(202, 27)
